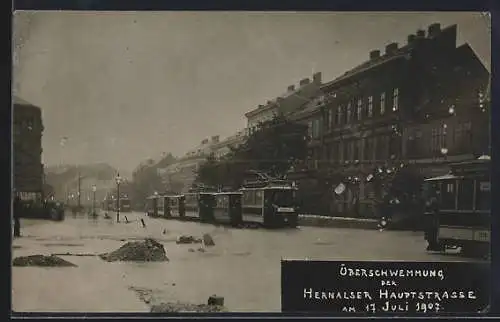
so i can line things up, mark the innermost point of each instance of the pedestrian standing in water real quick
(17, 213)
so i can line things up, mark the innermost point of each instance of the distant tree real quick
(146, 180)
(276, 146)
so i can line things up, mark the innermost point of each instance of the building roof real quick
(399, 53)
(275, 101)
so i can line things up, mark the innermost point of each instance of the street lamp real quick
(118, 181)
(94, 189)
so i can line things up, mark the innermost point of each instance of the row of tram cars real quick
(269, 204)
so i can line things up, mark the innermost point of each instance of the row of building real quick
(424, 102)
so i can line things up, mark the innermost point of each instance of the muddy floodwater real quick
(243, 266)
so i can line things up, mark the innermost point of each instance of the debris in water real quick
(216, 300)
(186, 307)
(143, 223)
(147, 251)
(42, 261)
(208, 240)
(201, 250)
(188, 240)
(191, 250)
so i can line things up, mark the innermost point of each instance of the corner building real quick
(372, 114)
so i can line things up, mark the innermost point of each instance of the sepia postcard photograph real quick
(170, 161)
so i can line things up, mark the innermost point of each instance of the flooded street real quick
(243, 266)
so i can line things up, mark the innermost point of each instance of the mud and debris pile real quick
(184, 239)
(42, 261)
(208, 240)
(186, 307)
(148, 250)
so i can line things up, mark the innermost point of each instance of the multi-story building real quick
(286, 103)
(222, 148)
(372, 114)
(180, 175)
(27, 150)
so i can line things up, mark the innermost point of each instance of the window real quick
(310, 128)
(395, 100)
(355, 149)
(368, 149)
(465, 194)
(345, 150)
(382, 103)
(483, 195)
(334, 152)
(448, 195)
(370, 106)
(438, 139)
(360, 109)
(381, 151)
(316, 128)
(348, 113)
(330, 118)
(338, 117)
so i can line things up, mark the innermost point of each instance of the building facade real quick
(221, 149)
(27, 150)
(180, 176)
(371, 115)
(286, 103)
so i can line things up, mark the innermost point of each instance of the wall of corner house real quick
(28, 169)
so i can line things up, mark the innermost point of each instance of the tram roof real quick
(448, 176)
(269, 188)
(227, 193)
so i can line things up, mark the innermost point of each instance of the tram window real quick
(248, 197)
(448, 195)
(483, 195)
(222, 202)
(465, 194)
(283, 197)
(259, 195)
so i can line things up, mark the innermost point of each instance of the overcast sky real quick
(123, 87)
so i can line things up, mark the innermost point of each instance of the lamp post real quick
(94, 189)
(118, 181)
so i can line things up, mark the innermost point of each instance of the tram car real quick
(271, 203)
(227, 208)
(192, 205)
(152, 206)
(461, 216)
(174, 206)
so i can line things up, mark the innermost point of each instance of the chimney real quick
(291, 88)
(411, 39)
(304, 81)
(391, 48)
(433, 30)
(374, 54)
(317, 78)
(420, 33)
